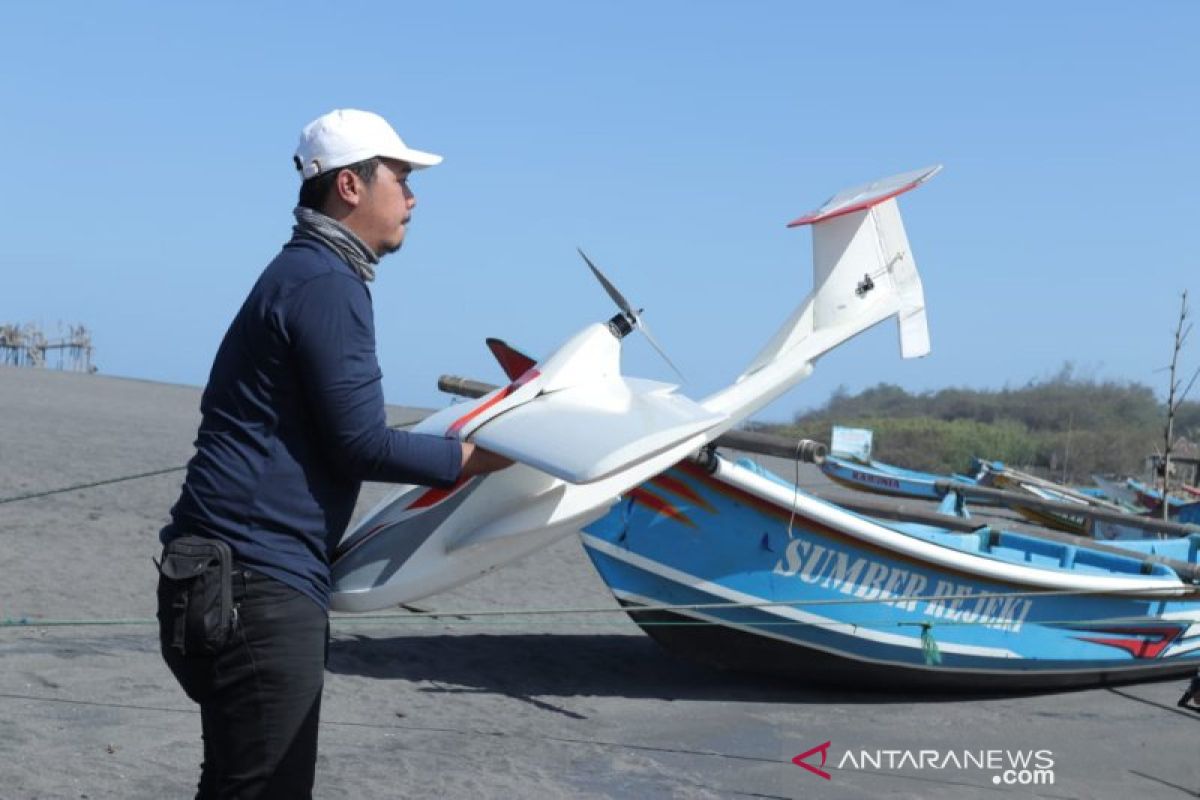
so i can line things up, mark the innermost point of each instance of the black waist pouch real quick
(195, 595)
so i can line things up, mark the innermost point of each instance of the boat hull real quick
(735, 650)
(737, 571)
(880, 479)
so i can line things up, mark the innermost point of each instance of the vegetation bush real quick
(1066, 427)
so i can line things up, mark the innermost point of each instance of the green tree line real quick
(1068, 427)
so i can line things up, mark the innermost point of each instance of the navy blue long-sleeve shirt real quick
(293, 422)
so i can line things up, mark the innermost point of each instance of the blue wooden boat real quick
(1177, 508)
(1072, 520)
(741, 569)
(849, 464)
(880, 478)
(1139, 498)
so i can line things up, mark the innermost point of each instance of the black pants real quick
(260, 697)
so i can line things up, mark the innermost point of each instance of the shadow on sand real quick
(567, 665)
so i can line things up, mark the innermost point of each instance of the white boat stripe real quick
(787, 611)
(1177, 649)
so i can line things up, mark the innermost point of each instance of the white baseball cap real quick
(347, 136)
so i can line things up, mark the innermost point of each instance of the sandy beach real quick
(521, 706)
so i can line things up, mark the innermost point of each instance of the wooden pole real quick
(1182, 329)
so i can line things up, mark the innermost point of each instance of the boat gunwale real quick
(832, 519)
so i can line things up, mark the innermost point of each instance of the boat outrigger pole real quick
(1019, 499)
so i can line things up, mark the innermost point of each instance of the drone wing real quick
(587, 432)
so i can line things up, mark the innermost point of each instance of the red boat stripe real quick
(1138, 648)
(660, 505)
(678, 487)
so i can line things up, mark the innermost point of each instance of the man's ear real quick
(348, 187)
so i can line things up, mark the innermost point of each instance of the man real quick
(293, 422)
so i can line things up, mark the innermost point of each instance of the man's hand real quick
(477, 461)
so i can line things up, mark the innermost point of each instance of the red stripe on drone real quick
(435, 495)
(496, 398)
(430, 497)
(342, 550)
(816, 216)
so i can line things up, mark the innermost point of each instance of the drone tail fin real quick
(863, 273)
(512, 361)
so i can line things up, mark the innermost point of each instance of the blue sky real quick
(148, 177)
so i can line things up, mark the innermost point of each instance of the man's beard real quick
(387, 250)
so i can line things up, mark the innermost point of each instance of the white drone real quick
(582, 433)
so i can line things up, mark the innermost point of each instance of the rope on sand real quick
(93, 484)
(136, 476)
(490, 616)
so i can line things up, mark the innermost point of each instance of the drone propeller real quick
(631, 317)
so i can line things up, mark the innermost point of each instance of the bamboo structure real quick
(27, 346)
